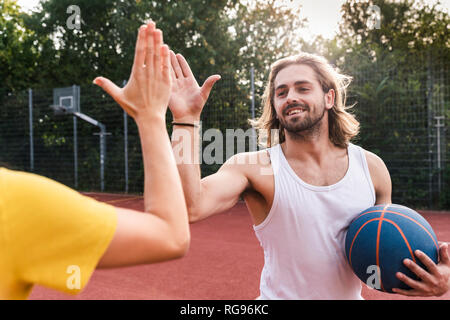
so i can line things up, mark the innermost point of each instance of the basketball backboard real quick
(66, 100)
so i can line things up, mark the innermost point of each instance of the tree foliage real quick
(220, 36)
(19, 48)
(399, 87)
(407, 29)
(399, 69)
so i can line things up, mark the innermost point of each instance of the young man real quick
(304, 189)
(53, 236)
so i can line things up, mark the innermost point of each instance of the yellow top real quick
(50, 235)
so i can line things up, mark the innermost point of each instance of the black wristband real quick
(185, 124)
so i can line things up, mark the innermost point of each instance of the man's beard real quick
(304, 126)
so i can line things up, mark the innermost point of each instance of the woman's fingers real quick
(150, 46)
(115, 92)
(151, 82)
(157, 38)
(109, 87)
(139, 53)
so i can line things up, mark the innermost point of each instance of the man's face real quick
(299, 100)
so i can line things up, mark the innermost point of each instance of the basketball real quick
(381, 237)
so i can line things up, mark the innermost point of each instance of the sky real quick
(323, 15)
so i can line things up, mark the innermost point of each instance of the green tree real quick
(106, 39)
(407, 29)
(19, 48)
(227, 37)
(397, 85)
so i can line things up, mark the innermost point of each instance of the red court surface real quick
(224, 262)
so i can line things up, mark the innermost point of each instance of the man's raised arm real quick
(217, 192)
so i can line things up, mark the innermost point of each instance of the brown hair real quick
(343, 126)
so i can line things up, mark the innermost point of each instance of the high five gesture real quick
(165, 232)
(148, 89)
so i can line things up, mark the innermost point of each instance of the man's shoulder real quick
(373, 160)
(249, 159)
(377, 168)
(252, 165)
(371, 156)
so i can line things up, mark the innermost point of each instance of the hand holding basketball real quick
(435, 282)
(383, 237)
(147, 92)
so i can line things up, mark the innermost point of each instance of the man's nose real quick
(292, 97)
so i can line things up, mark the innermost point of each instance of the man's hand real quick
(187, 98)
(147, 92)
(435, 282)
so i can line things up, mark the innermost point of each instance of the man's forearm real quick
(186, 149)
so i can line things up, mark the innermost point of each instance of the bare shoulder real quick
(373, 161)
(240, 168)
(381, 178)
(249, 163)
(221, 190)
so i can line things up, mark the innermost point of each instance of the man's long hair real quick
(343, 126)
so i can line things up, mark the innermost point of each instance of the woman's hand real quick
(146, 95)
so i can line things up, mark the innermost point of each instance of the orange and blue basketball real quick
(381, 237)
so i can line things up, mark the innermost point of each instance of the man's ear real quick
(330, 97)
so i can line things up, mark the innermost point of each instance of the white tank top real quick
(303, 235)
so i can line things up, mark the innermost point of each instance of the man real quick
(304, 189)
(53, 236)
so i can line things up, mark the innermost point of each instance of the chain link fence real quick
(404, 117)
(69, 150)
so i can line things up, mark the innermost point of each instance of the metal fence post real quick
(125, 143)
(438, 126)
(254, 144)
(102, 156)
(30, 118)
(75, 142)
(430, 130)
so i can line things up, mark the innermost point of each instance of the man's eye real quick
(280, 93)
(304, 89)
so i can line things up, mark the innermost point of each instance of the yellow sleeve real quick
(55, 236)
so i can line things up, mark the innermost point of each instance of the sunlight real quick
(323, 15)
